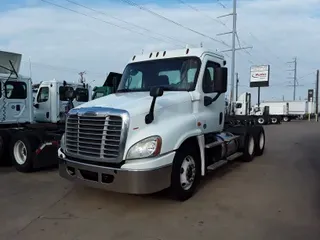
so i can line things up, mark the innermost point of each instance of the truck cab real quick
(164, 127)
(51, 103)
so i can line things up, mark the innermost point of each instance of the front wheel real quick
(185, 174)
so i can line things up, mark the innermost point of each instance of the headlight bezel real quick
(145, 142)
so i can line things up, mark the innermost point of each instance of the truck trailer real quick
(165, 127)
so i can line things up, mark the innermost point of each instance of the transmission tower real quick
(234, 48)
(294, 77)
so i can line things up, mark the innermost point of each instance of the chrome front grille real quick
(94, 137)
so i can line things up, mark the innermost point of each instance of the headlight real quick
(63, 141)
(148, 147)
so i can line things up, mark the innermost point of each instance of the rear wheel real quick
(274, 120)
(23, 147)
(185, 174)
(286, 119)
(260, 140)
(249, 147)
(261, 120)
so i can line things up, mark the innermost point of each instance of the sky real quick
(58, 43)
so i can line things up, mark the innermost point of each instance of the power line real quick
(172, 21)
(126, 22)
(109, 23)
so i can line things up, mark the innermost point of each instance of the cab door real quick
(212, 116)
(42, 105)
(14, 102)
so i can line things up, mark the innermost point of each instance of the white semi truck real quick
(165, 127)
(243, 108)
(31, 124)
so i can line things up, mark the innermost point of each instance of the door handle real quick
(18, 107)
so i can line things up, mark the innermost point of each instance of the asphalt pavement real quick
(277, 196)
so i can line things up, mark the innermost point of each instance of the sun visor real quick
(5, 58)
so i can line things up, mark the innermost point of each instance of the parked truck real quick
(165, 127)
(31, 124)
(287, 110)
(260, 115)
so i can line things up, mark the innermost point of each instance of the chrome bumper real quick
(115, 179)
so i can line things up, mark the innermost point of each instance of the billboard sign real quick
(310, 95)
(259, 76)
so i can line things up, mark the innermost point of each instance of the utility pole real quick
(237, 85)
(233, 48)
(295, 82)
(317, 96)
(82, 79)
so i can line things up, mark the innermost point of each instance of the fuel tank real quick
(229, 145)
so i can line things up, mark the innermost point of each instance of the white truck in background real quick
(242, 107)
(287, 110)
(165, 127)
(31, 124)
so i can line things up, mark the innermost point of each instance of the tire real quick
(185, 175)
(260, 140)
(249, 147)
(261, 120)
(285, 119)
(274, 120)
(22, 150)
(4, 156)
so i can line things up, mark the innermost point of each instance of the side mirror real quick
(156, 92)
(95, 88)
(36, 105)
(220, 79)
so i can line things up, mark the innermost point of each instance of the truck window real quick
(134, 81)
(15, 90)
(62, 93)
(43, 95)
(239, 105)
(208, 78)
(98, 95)
(175, 74)
(82, 95)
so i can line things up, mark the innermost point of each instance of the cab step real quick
(224, 161)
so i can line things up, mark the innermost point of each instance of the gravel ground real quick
(277, 196)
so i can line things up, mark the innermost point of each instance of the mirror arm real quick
(150, 116)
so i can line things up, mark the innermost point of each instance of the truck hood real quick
(137, 103)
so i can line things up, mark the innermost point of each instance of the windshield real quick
(98, 95)
(175, 74)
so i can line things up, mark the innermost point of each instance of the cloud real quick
(61, 43)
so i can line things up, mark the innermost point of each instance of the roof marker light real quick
(187, 51)
(133, 57)
(164, 53)
(150, 55)
(157, 54)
